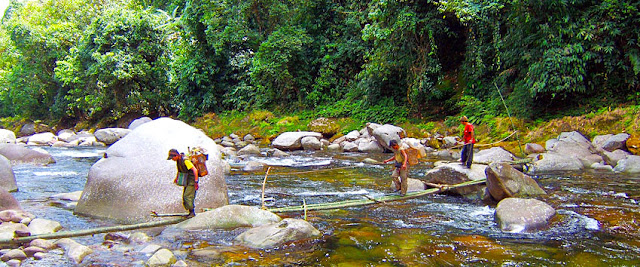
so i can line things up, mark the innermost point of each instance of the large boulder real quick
(574, 144)
(7, 137)
(454, 173)
(310, 143)
(327, 127)
(135, 177)
(292, 140)
(137, 122)
(19, 154)
(275, 234)
(504, 181)
(629, 165)
(111, 135)
(518, 214)
(494, 154)
(612, 158)
(7, 177)
(549, 162)
(230, 217)
(413, 185)
(388, 132)
(42, 139)
(611, 142)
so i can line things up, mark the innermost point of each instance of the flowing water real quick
(597, 221)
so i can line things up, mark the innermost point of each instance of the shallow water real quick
(597, 221)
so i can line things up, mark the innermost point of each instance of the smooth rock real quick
(311, 143)
(19, 154)
(630, 165)
(111, 135)
(455, 173)
(292, 140)
(7, 137)
(518, 214)
(7, 177)
(250, 149)
(137, 122)
(275, 234)
(230, 217)
(491, 155)
(39, 226)
(74, 250)
(504, 181)
(162, 257)
(533, 148)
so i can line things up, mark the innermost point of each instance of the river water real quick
(597, 221)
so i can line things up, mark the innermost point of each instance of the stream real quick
(597, 221)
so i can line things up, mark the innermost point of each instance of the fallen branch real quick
(108, 229)
(370, 200)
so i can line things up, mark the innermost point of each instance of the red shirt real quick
(468, 136)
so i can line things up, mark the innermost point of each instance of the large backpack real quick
(199, 159)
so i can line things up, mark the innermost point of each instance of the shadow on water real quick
(596, 223)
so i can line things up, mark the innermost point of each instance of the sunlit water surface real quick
(597, 221)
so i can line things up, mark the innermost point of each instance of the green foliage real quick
(118, 68)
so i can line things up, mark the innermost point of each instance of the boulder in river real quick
(275, 234)
(7, 177)
(630, 165)
(19, 154)
(135, 177)
(230, 217)
(292, 140)
(504, 181)
(111, 135)
(494, 154)
(455, 173)
(385, 133)
(519, 214)
(8, 201)
(7, 137)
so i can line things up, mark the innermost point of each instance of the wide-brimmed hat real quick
(464, 118)
(172, 153)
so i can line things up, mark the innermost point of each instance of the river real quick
(597, 221)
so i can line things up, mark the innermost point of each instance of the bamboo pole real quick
(263, 186)
(370, 200)
(116, 228)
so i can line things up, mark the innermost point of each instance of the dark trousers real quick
(466, 156)
(189, 196)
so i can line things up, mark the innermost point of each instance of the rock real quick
(8, 230)
(352, 136)
(19, 154)
(611, 142)
(450, 141)
(371, 161)
(7, 137)
(310, 143)
(249, 150)
(633, 144)
(137, 122)
(150, 249)
(66, 135)
(574, 144)
(446, 154)
(73, 196)
(14, 254)
(548, 162)
(139, 237)
(370, 146)
(74, 250)
(349, 146)
(491, 155)
(7, 201)
(334, 148)
(275, 234)
(27, 129)
(413, 185)
(230, 217)
(253, 166)
(111, 135)
(326, 127)
(630, 165)
(162, 257)
(39, 256)
(43, 226)
(612, 158)
(504, 181)
(7, 177)
(137, 171)
(41, 139)
(42, 243)
(517, 214)
(454, 173)
(386, 133)
(292, 140)
(30, 251)
(15, 215)
(533, 148)
(602, 167)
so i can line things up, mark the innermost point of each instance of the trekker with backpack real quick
(187, 177)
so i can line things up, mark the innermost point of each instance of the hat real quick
(464, 118)
(172, 153)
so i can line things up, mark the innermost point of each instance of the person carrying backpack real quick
(187, 177)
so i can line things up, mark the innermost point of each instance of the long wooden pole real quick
(116, 228)
(370, 200)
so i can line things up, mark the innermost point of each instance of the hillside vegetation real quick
(76, 63)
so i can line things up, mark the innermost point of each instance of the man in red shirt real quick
(469, 139)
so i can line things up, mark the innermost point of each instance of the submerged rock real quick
(275, 234)
(518, 214)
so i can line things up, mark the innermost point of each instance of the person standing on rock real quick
(401, 168)
(186, 168)
(468, 137)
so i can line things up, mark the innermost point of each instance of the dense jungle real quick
(86, 63)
